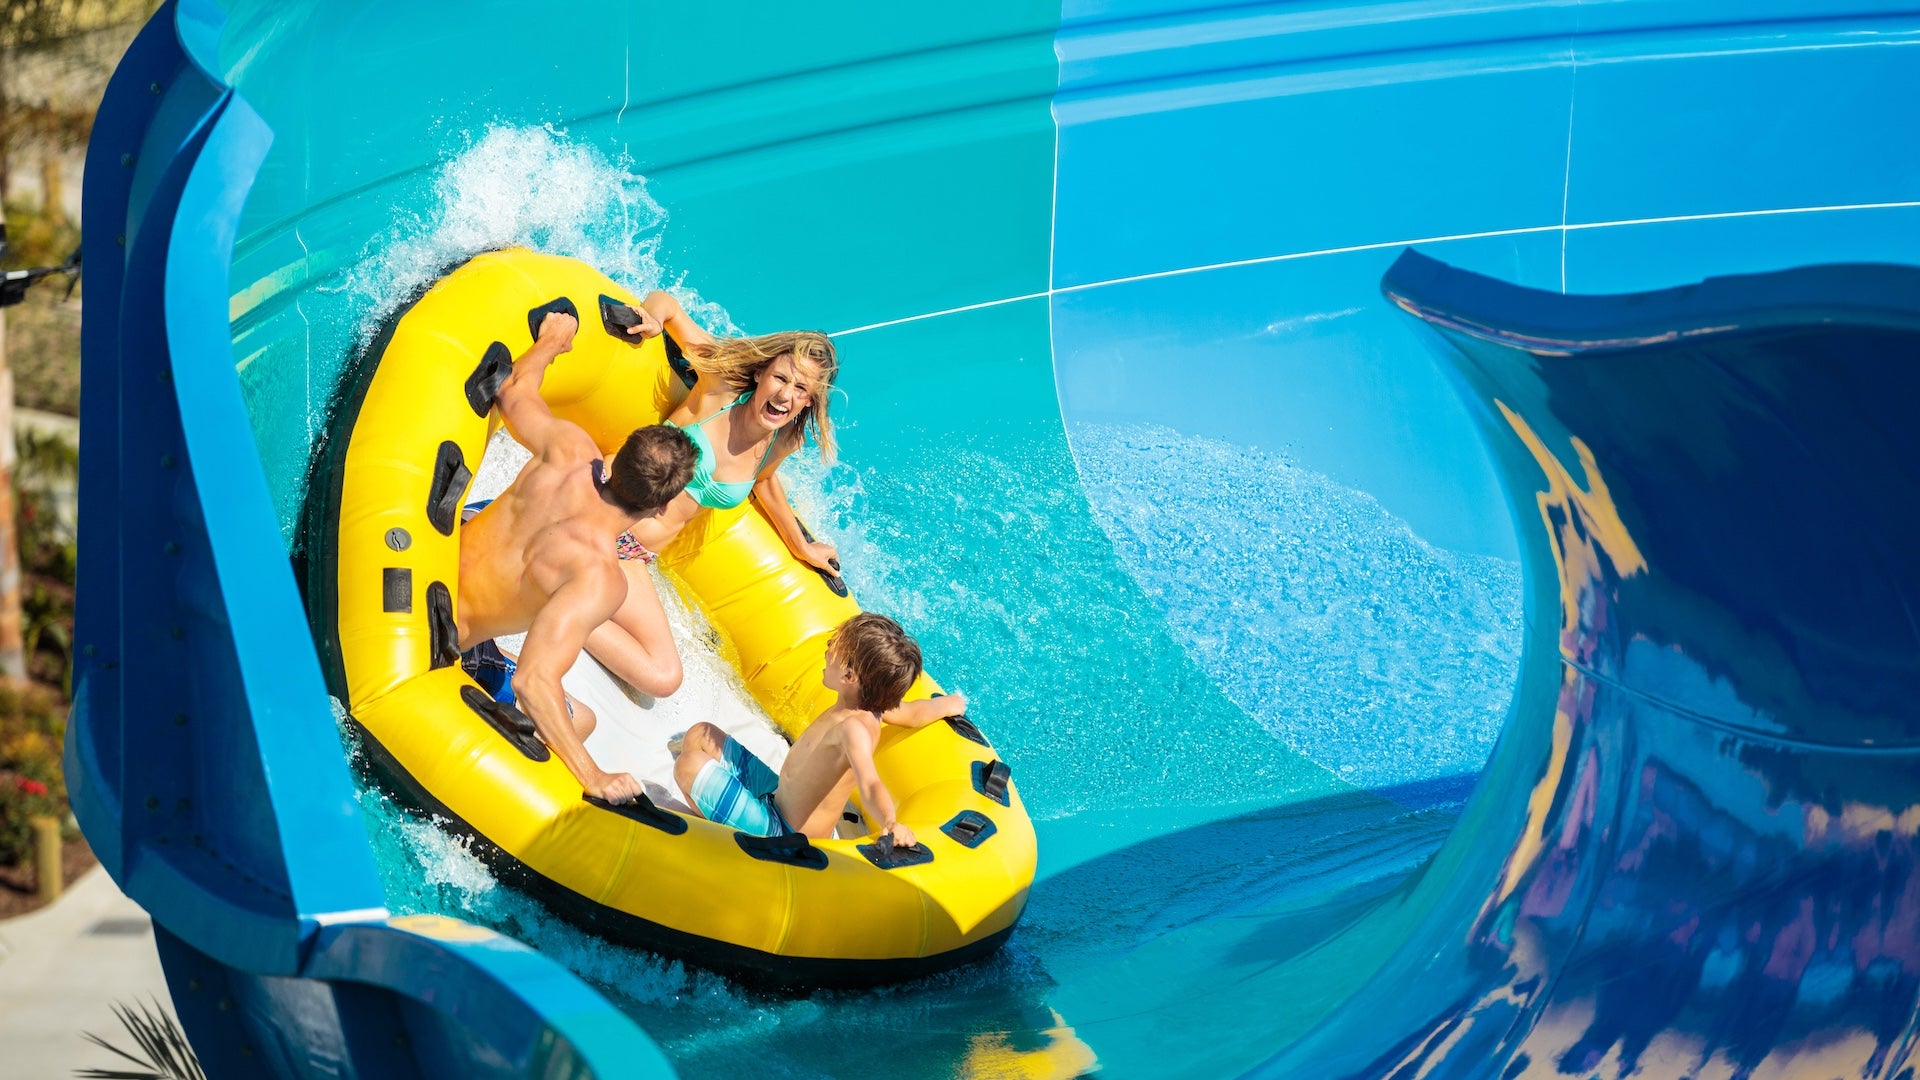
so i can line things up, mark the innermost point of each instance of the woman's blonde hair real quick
(737, 363)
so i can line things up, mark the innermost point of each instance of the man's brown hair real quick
(885, 661)
(651, 468)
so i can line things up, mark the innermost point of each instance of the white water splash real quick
(527, 187)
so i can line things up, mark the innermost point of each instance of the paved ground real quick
(61, 970)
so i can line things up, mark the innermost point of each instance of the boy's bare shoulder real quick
(835, 720)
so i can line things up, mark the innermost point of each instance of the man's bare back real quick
(540, 558)
(516, 551)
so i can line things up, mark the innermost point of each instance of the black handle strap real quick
(677, 360)
(450, 479)
(966, 728)
(642, 809)
(990, 778)
(884, 854)
(834, 580)
(558, 303)
(512, 724)
(617, 317)
(443, 634)
(792, 849)
(970, 828)
(484, 384)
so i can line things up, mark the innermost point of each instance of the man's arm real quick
(667, 310)
(528, 419)
(585, 600)
(918, 714)
(861, 735)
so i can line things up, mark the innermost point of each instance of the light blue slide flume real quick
(1433, 635)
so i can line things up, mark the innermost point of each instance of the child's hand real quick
(952, 705)
(902, 836)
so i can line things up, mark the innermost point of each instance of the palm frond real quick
(164, 1053)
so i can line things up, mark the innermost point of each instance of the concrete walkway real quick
(62, 968)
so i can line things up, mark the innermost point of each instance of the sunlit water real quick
(1141, 739)
(1360, 645)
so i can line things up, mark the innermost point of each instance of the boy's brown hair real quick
(885, 661)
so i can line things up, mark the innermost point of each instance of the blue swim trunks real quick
(492, 669)
(737, 790)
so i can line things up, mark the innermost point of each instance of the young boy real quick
(871, 662)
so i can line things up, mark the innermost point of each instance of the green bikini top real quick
(708, 492)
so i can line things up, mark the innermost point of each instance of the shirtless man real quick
(871, 662)
(540, 558)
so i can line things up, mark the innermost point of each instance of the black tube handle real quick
(512, 724)
(792, 849)
(884, 854)
(834, 580)
(560, 304)
(488, 376)
(643, 810)
(990, 778)
(617, 317)
(677, 359)
(450, 478)
(966, 728)
(970, 828)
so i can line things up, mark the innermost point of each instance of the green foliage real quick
(33, 716)
(39, 24)
(43, 332)
(33, 725)
(47, 466)
(37, 238)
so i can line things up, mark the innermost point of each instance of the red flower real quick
(32, 787)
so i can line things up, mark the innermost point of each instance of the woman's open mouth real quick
(776, 413)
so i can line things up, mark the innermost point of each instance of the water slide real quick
(1418, 494)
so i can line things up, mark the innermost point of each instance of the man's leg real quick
(637, 644)
(584, 720)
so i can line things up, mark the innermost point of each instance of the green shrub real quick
(48, 553)
(33, 724)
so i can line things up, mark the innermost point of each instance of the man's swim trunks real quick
(630, 549)
(737, 790)
(492, 669)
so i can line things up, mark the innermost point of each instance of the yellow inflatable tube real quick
(382, 573)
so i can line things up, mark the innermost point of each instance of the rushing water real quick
(1084, 621)
(1363, 647)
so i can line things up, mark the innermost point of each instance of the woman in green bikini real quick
(753, 403)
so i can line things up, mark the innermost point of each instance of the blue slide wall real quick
(1234, 531)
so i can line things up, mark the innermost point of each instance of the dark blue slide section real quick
(1721, 773)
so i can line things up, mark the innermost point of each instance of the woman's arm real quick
(773, 499)
(662, 306)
